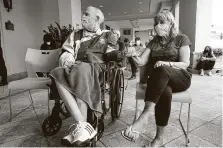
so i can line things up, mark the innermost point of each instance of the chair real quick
(36, 61)
(181, 97)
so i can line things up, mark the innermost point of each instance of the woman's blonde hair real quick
(167, 16)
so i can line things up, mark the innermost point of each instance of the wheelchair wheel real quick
(51, 125)
(119, 93)
(113, 95)
(94, 144)
(64, 111)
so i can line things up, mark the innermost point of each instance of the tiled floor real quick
(205, 130)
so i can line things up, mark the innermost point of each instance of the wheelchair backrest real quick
(41, 61)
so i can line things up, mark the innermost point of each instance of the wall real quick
(65, 12)
(187, 23)
(145, 27)
(187, 19)
(76, 13)
(176, 12)
(30, 17)
(50, 12)
(112, 24)
(130, 37)
(203, 24)
(70, 13)
(196, 23)
(174, 5)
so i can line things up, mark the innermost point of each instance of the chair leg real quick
(30, 98)
(188, 126)
(136, 111)
(127, 84)
(10, 106)
(186, 133)
(180, 109)
(32, 104)
(48, 102)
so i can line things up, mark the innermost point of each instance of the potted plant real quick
(59, 34)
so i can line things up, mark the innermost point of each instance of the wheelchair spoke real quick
(51, 125)
(48, 128)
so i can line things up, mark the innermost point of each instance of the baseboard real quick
(195, 71)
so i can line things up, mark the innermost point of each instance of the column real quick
(195, 20)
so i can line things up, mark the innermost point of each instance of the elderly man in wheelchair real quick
(78, 79)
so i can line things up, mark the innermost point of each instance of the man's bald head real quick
(92, 18)
(98, 13)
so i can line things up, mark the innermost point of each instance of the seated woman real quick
(3, 69)
(78, 77)
(169, 55)
(207, 61)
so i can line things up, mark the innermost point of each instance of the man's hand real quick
(66, 60)
(161, 63)
(203, 58)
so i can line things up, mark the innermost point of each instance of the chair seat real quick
(182, 97)
(30, 83)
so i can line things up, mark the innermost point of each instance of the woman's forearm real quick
(182, 65)
(143, 58)
(211, 59)
(138, 60)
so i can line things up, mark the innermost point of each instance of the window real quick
(127, 32)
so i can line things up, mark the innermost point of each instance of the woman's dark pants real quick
(205, 65)
(134, 66)
(162, 82)
(3, 69)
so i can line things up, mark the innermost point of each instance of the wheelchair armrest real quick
(141, 85)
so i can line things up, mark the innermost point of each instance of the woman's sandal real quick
(128, 138)
(149, 145)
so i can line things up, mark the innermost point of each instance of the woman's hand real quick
(161, 63)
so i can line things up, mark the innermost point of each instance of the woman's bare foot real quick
(142, 121)
(157, 142)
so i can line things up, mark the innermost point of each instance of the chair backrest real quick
(41, 60)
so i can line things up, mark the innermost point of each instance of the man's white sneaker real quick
(80, 134)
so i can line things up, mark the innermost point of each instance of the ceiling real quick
(127, 9)
(143, 24)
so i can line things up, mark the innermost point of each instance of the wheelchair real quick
(112, 85)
